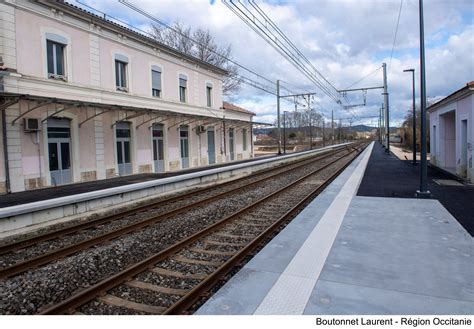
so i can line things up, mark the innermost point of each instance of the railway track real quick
(68, 241)
(172, 280)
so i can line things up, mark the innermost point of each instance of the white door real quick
(59, 151)
(184, 146)
(158, 148)
(122, 133)
(211, 145)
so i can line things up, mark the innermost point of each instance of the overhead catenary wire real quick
(268, 88)
(256, 84)
(276, 38)
(363, 78)
(277, 29)
(262, 29)
(396, 32)
(161, 22)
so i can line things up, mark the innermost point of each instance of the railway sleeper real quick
(120, 302)
(212, 252)
(165, 272)
(184, 259)
(156, 288)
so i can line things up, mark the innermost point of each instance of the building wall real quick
(31, 32)
(446, 143)
(7, 35)
(81, 56)
(90, 56)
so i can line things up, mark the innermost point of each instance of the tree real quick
(407, 128)
(200, 44)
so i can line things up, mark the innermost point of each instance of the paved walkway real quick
(348, 254)
(387, 176)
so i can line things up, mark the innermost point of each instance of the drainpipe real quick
(225, 146)
(251, 138)
(5, 151)
(4, 133)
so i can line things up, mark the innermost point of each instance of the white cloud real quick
(344, 39)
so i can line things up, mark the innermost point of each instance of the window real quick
(182, 88)
(121, 75)
(209, 94)
(55, 54)
(156, 82)
(244, 139)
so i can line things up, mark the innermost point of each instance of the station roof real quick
(460, 93)
(12, 98)
(232, 107)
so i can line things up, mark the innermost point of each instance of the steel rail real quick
(82, 297)
(209, 282)
(7, 248)
(46, 258)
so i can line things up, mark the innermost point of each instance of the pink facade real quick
(95, 120)
(452, 132)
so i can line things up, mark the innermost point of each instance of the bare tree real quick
(202, 45)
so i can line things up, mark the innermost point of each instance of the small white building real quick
(452, 132)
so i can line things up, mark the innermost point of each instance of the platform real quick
(349, 254)
(18, 198)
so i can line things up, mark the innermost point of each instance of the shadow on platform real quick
(388, 176)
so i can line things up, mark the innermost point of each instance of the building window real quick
(244, 139)
(55, 54)
(209, 95)
(182, 88)
(121, 75)
(156, 82)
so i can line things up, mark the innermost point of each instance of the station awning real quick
(130, 111)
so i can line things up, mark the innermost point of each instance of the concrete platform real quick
(388, 176)
(348, 254)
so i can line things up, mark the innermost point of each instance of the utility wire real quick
(286, 49)
(238, 77)
(396, 31)
(363, 78)
(154, 18)
(255, 5)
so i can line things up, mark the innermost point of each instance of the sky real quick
(345, 40)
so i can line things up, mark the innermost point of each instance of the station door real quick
(211, 145)
(158, 148)
(122, 133)
(184, 146)
(59, 151)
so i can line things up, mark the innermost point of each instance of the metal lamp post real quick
(414, 115)
(423, 191)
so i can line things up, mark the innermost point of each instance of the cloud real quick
(345, 40)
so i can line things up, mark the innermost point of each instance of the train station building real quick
(451, 135)
(83, 98)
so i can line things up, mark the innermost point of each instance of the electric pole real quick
(380, 125)
(278, 117)
(332, 126)
(387, 112)
(423, 192)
